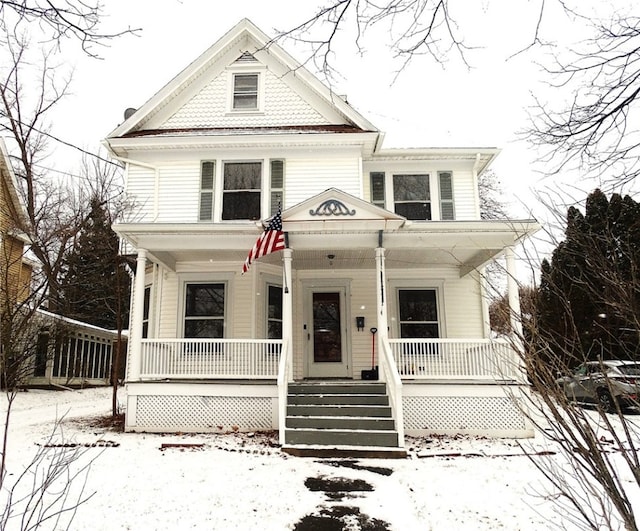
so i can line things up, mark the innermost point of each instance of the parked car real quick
(605, 383)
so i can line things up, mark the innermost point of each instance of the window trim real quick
(261, 189)
(269, 284)
(203, 278)
(429, 178)
(246, 69)
(395, 285)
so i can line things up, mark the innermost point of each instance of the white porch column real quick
(287, 306)
(137, 316)
(512, 293)
(381, 295)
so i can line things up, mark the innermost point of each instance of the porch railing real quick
(210, 358)
(284, 377)
(456, 359)
(391, 376)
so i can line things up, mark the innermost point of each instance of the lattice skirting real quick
(499, 416)
(161, 411)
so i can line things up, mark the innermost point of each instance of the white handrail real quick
(394, 384)
(283, 381)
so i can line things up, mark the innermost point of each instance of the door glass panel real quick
(327, 339)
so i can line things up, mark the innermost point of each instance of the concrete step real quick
(337, 410)
(337, 388)
(362, 438)
(353, 423)
(339, 399)
(333, 452)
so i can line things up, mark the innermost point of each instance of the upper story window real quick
(242, 183)
(412, 196)
(245, 92)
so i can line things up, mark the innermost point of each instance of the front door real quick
(327, 355)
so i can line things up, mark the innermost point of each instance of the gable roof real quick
(243, 43)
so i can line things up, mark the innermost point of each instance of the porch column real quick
(287, 307)
(137, 316)
(381, 295)
(512, 293)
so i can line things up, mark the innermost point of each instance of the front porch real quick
(435, 386)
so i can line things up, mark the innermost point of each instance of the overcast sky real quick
(429, 104)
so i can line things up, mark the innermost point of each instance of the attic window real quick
(245, 92)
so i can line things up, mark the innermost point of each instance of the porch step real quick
(335, 419)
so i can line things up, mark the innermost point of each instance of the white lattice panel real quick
(463, 414)
(206, 413)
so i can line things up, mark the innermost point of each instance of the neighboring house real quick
(54, 351)
(384, 239)
(15, 269)
(71, 353)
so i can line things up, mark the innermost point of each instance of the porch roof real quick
(465, 244)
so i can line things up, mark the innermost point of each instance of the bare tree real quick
(76, 20)
(592, 126)
(586, 308)
(435, 29)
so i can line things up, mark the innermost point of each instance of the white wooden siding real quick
(464, 195)
(308, 177)
(140, 187)
(210, 107)
(167, 310)
(178, 194)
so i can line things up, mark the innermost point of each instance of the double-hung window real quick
(418, 313)
(204, 310)
(242, 190)
(411, 196)
(245, 92)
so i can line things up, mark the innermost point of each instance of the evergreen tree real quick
(90, 289)
(589, 297)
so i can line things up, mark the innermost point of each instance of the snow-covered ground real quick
(243, 482)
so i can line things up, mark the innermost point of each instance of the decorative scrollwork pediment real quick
(332, 207)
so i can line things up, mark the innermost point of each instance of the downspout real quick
(476, 165)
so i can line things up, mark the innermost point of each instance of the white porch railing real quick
(284, 377)
(210, 358)
(390, 375)
(456, 359)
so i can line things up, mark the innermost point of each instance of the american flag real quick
(270, 241)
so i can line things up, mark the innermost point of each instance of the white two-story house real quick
(370, 324)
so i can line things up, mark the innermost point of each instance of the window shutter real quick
(377, 188)
(446, 195)
(277, 184)
(207, 175)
